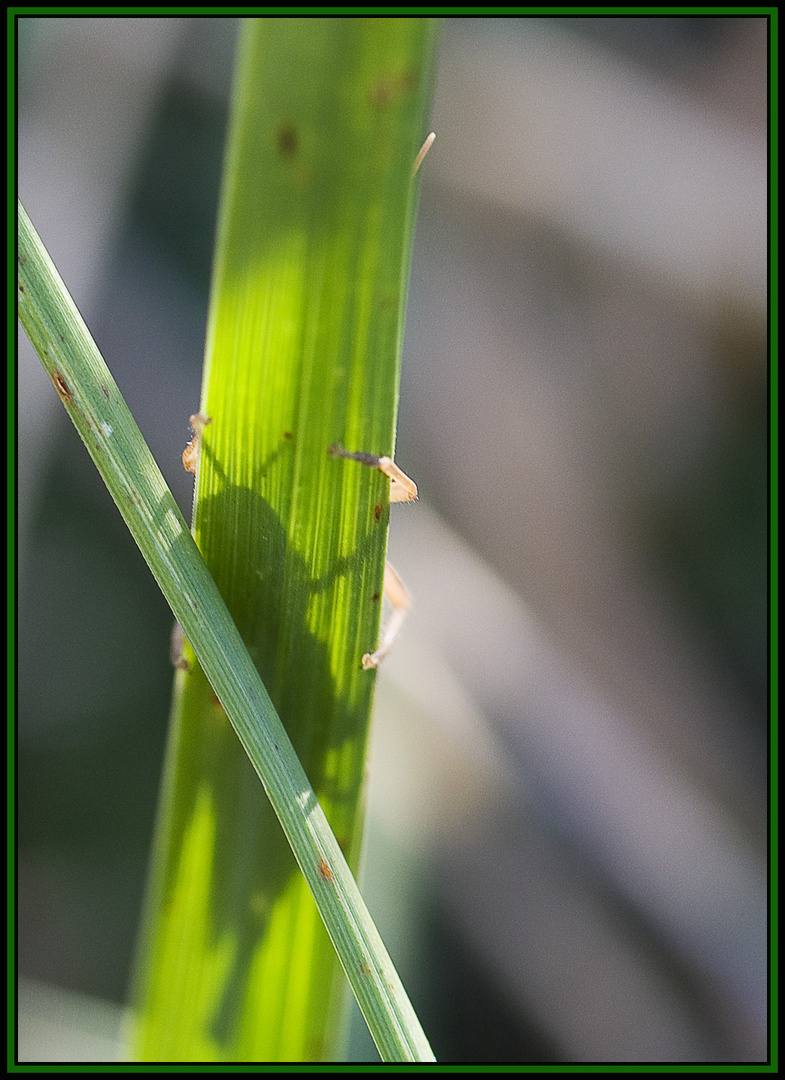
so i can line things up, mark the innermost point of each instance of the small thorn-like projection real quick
(402, 489)
(197, 423)
(398, 595)
(426, 146)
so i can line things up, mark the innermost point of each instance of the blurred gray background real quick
(568, 813)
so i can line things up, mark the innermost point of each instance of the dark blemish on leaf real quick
(21, 288)
(288, 435)
(61, 386)
(288, 143)
(377, 511)
(106, 392)
(375, 597)
(325, 871)
(387, 90)
(365, 967)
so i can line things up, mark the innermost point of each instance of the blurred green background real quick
(567, 825)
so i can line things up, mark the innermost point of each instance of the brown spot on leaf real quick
(62, 387)
(387, 90)
(288, 143)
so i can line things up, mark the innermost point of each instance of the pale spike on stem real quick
(426, 146)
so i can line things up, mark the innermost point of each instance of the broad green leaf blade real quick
(303, 352)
